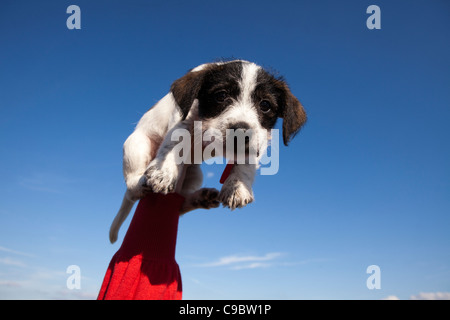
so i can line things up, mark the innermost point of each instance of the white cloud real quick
(46, 182)
(76, 295)
(431, 296)
(252, 266)
(271, 259)
(8, 283)
(235, 261)
(22, 279)
(12, 262)
(40, 283)
(391, 298)
(424, 296)
(16, 252)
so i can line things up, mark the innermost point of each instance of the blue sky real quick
(366, 182)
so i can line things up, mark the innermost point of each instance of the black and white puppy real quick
(223, 95)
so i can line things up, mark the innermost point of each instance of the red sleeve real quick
(144, 268)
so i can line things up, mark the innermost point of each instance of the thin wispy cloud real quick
(45, 182)
(8, 261)
(35, 282)
(424, 296)
(8, 250)
(431, 296)
(10, 284)
(271, 259)
(38, 182)
(12, 262)
(237, 262)
(253, 265)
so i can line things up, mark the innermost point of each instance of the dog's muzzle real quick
(241, 135)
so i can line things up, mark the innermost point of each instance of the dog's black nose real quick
(240, 125)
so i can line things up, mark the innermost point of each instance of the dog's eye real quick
(221, 96)
(265, 106)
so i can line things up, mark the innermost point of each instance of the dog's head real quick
(239, 95)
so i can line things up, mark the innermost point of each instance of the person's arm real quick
(144, 267)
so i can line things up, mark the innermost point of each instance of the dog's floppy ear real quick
(293, 114)
(185, 90)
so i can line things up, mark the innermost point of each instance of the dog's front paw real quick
(160, 178)
(207, 198)
(235, 194)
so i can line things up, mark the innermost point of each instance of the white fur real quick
(149, 158)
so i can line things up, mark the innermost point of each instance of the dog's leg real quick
(162, 174)
(197, 197)
(138, 149)
(237, 190)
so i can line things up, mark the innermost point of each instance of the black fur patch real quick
(266, 89)
(185, 90)
(284, 104)
(217, 86)
(218, 79)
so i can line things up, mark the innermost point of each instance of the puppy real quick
(235, 95)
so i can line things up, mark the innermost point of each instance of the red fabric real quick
(226, 172)
(144, 268)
